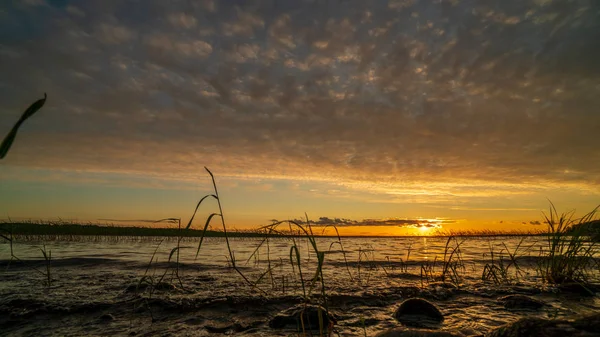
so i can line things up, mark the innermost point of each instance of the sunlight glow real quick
(424, 229)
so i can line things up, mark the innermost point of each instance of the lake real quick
(101, 285)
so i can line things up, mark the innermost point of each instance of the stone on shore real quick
(402, 332)
(520, 302)
(530, 326)
(418, 312)
(303, 317)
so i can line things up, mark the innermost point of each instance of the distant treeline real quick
(28, 228)
(591, 229)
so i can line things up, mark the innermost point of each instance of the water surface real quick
(94, 284)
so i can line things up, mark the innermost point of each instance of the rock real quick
(520, 302)
(303, 316)
(417, 312)
(521, 289)
(107, 317)
(164, 286)
(440, 290)
(531, 326)
(363, 322)
(401, 332)
(588, 323)
(583, 327)
(577, 289)
(194, 321)
(141, 286)
(136, 287)
(444, 285)
(224, 327)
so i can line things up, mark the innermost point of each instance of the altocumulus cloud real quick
(483, 95)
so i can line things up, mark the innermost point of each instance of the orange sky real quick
(376, 113)
(250, 202)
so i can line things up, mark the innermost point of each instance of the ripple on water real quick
(207, 294)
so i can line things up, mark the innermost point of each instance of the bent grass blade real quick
(12, 134)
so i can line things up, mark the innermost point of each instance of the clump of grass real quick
(452, 265)
(453, 262)
(215, 196)
(428, 271)
(152, 281)
(401, 264)
(148, 281)
(7, 235)
(498, 269)
(364, 258)
(48, 258)
(308, 284)
(570, 253)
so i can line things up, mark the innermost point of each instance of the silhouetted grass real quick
(570, 253)
(498, 269)
(452, 265)
(307, 283)
(8, 236)
(12, 134)
(453, 262)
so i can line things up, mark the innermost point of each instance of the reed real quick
(305, 232)
(453, 262)
(7, 235)
(147, 282)
(452, 265)
(308, 284)
(498, 269)
(428, 271)
(569, 253)
(47, 254)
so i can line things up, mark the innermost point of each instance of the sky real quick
(381, 117)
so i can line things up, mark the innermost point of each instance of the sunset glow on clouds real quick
(466, 110)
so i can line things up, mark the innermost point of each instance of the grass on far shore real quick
(63, 230)
(66, 230)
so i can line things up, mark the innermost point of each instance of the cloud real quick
(409, 100)
(75, 11)
(182, 20)
(113, 34)
(407, 223)
(34, 2)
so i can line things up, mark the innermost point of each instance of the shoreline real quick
(66, 229)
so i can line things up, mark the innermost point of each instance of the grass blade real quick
(12, 134)
(198, 206)
(204, 231)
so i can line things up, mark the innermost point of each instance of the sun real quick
(424, 229)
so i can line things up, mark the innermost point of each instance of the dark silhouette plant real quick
(12, 134)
